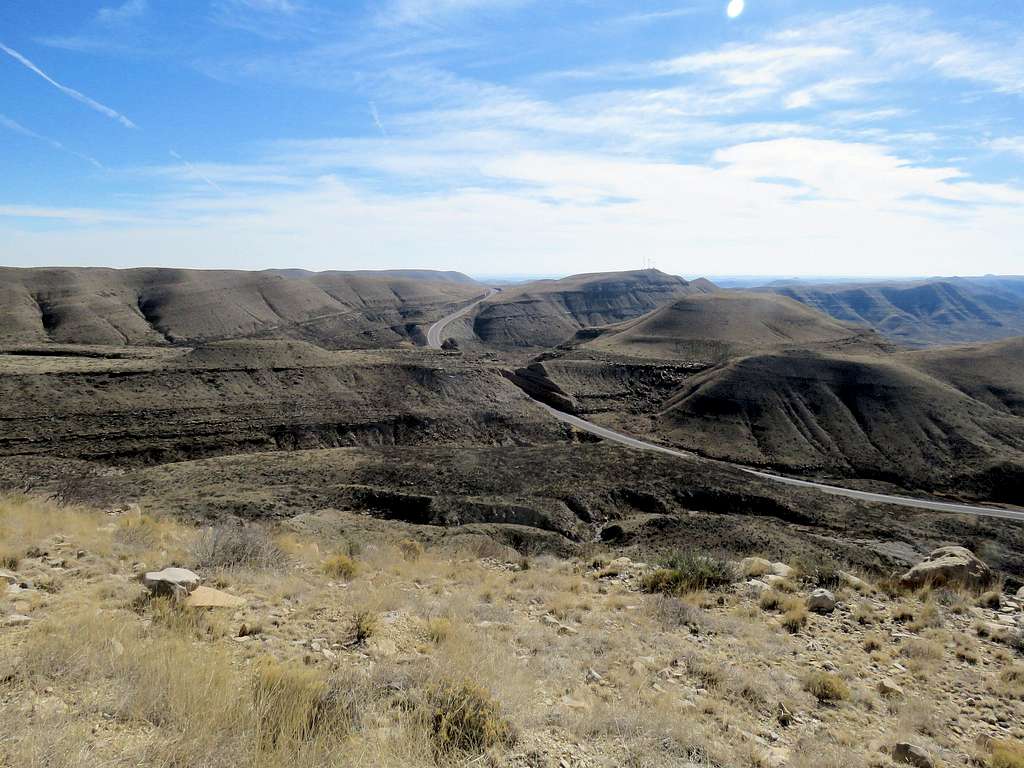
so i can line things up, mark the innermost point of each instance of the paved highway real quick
(434, 340)
(434, 332)
(882, 498)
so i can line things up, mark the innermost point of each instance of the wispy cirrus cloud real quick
(120, 14)
(13, 125)
(398, 12)
(68, 91)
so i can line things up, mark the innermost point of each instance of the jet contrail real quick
(91, 103)
(197, 172)
(17, 127)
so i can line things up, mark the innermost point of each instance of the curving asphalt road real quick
(434, 332)
(434, 340)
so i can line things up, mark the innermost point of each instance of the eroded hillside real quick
(177, 306)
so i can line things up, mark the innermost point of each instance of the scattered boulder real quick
(16, 620)
(8, 576)
(949, 565)
(911, 754)
(755, 587)
(855, 582)
(783, 570)
(205, 597)
(171, 582)
(821, 601)
(755, 566)
(1020, 593)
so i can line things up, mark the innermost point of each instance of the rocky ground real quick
(338, 639)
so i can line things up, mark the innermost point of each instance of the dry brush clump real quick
(691, 572)
(826, 687)
(237, 546)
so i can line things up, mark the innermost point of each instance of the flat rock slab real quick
(175, 582)
(206, 597)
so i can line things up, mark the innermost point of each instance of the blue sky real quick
(515, 136)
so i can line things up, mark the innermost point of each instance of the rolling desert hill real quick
(720, 325)
(764, 380)
(545, 313)
(848, 415)
(924, 313)
(174, 306)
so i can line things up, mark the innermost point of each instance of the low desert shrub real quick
(293, 704)
(463, 718)
(439, 629)
(411, 549)
(919, 648)
(820, 570)
(339, 566)
(10, 558)
(864, 613)
(990, 599)
(928, 617)
(234, 546)
(1006, 754)
(795, 614)
(826, 687)
(673, 613)
(770, 600)
(690, 572)
(364, 624)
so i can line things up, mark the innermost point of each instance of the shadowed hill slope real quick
(545, 313)
(924, 313)
(878, 417)
(725, 324)
(167, 306)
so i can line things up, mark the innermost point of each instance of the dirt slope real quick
(166, 306)
(545, 313)
(924, 313)
(238, 396)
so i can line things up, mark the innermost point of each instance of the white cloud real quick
(1012, 144)
(119, 14)
(76, 95)
(746, 65)
(398, 12)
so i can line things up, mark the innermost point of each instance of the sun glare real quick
(735, 8)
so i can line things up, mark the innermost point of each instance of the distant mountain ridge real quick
(922, 313)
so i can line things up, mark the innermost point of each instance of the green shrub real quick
(689, 572)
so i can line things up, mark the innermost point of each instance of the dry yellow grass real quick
(446, 660)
